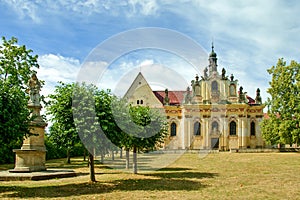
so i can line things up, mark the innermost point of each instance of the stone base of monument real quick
(36, 176)
(31, 165)
(29, 160)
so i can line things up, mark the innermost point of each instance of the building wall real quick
(242, 114)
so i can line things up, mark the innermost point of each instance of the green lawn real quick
(216, 176)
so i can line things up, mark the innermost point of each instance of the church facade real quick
(211, 114)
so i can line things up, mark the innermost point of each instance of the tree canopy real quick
(16, 67)
(283, 126)
(59, 107)
(143, 128)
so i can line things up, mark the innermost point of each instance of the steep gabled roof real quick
(141, 90)
(138, 82)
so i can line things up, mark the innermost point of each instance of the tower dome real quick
(212, 60)
(212, 53)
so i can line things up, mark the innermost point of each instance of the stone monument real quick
(32, 155)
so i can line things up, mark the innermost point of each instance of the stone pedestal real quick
(197, 99)
(32, 155)
(29, 160)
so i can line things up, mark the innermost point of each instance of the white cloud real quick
(91, 71)
(36, 9)
(146, 7)
(147, 62)
(54, 68)
(24, 9)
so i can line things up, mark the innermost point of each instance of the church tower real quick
(212, 61)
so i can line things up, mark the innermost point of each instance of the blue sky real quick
(249, 36)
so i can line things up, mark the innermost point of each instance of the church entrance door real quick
(215, 143)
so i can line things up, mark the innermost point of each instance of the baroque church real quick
(211, 114)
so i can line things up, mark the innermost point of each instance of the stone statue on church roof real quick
(258, 97)
(224, 77)
(231, 78)
(166, 99)
(187, 98)
(242, 95)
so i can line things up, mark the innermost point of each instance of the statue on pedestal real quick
(34, 90)
(196, 86)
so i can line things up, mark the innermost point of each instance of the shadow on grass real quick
(187, 181)
(59, 163)
(183, 175)
(174, 169)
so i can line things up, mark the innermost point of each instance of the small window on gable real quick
(232, 128)
(197, 128)
(252, 129)
(173, 129)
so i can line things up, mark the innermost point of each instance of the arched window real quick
(137, 101)
(173, 129)
(142, 101)
(197, 128)
(252, 129)
(214, 86)
(232, 128)
(214, 126)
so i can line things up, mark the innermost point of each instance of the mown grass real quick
(216, 176)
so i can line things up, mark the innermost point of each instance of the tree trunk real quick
(92, 168)
(102, 157)
(134, 160)
(84, 154)
(68, 156)
(121, 153)
(127, 158)
(113, 155)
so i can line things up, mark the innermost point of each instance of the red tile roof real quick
(176, 97)
(250, 100)
(266, 115)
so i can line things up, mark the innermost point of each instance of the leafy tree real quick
(16, 66)
(284, 105)
(86, 121)
(110, 132)
(59, 106)
(153, 130)
(143, 129)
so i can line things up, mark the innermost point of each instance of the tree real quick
(153, 130)
(110, 132)
(284, 105)
(86, 121)
(63, 132)
(143, 129)
(16, 66)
